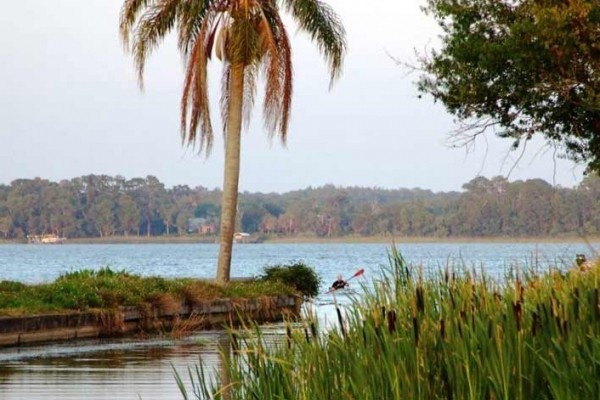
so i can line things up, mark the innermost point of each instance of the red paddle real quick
(357, 273)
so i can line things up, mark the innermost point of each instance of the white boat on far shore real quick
(45, 239)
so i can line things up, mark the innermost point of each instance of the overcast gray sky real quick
(70, 106)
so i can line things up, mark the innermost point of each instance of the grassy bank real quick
(105, 288)
(458, 335)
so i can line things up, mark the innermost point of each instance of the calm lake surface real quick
(134, 368)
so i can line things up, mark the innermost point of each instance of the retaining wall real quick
(16, 331)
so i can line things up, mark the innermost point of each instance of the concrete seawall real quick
(22, 330)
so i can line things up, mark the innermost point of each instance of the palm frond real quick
(195, 92)
(286, 76)
(130, 13)
(250, 78)
(191, 16)
(278, 72)
(324, 27)
(142, 33)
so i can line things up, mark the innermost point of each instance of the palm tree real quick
(249, 37)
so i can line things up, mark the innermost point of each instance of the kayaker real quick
(340, 283)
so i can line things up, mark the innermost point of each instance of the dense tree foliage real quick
(104, 206)
(521, 67)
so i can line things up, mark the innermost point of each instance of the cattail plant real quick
(454, 335)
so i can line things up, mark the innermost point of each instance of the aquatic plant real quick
(456, 335)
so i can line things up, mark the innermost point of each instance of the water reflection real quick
(104, 370)
(118, 369)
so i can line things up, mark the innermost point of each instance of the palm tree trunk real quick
(232, 171)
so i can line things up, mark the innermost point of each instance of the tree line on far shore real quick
(105, 206)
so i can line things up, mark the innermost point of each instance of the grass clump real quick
(457, 335)
(106, 288)
(297, 275)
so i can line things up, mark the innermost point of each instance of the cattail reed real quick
(416, 329)
(443, 328)
(420, 299)
(391, 317)
(467, 345)
(341, 321)
(313, 328)
(517, 310)
(235, 346)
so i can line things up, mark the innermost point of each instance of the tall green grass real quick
(457, 335)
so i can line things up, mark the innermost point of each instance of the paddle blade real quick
(358, 273)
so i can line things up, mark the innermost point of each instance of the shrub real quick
(297, 275)
(11, 286)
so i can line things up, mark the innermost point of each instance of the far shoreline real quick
(315, 240)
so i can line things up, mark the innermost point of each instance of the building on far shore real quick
(201, 226)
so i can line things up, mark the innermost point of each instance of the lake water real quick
(134, 368)
(38, 263)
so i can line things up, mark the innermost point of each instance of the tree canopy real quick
(521, 68)
(108, 207)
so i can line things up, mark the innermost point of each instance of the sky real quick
(70, 105)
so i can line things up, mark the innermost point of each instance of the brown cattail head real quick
(517, 310)
(420, 299)
(313, 329)
(443, 328)
(416, 330)
(391, 317)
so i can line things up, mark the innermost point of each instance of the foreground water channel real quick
(136, 368)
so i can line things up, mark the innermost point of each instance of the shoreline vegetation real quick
(457, 334)
(87, 289)
(101, 206)
(203, 239)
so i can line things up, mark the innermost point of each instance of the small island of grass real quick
(105, 288)
(104, 302)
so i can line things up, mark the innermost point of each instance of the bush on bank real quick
(297, 275)
(457, 335)
(107, 288)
